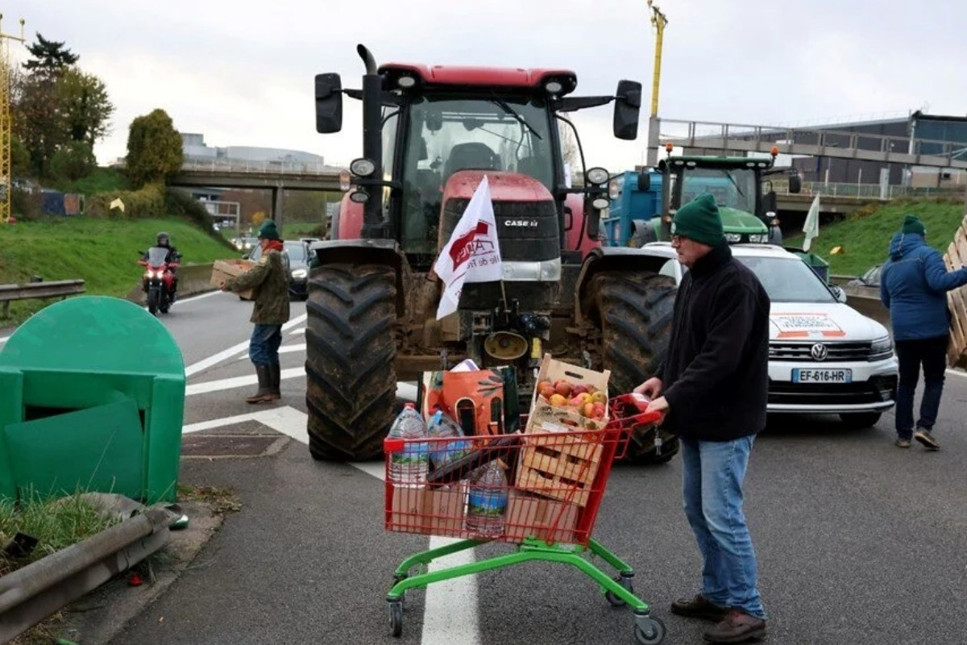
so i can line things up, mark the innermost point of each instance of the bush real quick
(73, 161)
(26, 205)
(138, 204)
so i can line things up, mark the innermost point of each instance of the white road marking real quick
(238, 381)
(956, 372)
(285, 349)
(301, 330)
(450, 614)
(233, 351)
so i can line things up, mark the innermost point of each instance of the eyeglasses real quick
(678, 239)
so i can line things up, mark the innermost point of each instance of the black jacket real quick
(716, 373)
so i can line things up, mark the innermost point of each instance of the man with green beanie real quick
(713, 388)
(271, 310)
(913, 285)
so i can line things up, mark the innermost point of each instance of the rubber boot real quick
(275, 378)
(264, 393)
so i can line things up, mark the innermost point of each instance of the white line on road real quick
(300, 330)
(450, 614)
(961, 373)
(238, 381)
(231, 352)
(285, 349)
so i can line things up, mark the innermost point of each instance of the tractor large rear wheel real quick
(351, 382)
(635, 311)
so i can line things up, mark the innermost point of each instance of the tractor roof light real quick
(553, 86)
(597, 176)
(774, 151)
(345, 182)
(669, 147)
(406, 81)
(359, 196)
(362, 167)
(750, 164)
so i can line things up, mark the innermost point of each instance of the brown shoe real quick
(737, 627)
(699, 607)
(264, 394)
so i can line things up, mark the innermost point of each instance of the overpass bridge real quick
(277, 176)
(812, 142)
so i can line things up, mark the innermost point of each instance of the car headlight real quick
(300, 274)
(881, 347)
(733, 238)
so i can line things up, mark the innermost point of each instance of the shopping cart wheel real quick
(396, 618)
(648, 630)
(625, 581)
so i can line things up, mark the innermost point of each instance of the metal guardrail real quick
(865, 192)
(54, 289)
(30, 594)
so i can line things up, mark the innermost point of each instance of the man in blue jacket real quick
(913, 286)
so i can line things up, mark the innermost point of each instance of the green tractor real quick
(741, 188)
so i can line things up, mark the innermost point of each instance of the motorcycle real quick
(159, 281)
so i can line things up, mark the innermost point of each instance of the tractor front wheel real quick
(635, 313)
(351, 381)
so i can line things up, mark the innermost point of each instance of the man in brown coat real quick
(271, 290)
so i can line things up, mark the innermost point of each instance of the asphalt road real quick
(859, 542)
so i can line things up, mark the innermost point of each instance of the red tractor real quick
(430, 135)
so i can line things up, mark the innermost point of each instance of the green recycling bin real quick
(92, 395)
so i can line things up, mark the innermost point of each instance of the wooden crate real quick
(956, 258)
(559, 467)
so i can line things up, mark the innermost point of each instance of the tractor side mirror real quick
(795, 184)
(594, 223)
(770, 202)
(644, 182)
(328, 103)
(627, 105)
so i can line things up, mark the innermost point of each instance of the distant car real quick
(297, 257)
(869, 279)
(824, 356)
(246, 243)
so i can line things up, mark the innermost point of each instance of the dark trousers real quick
(911, 354)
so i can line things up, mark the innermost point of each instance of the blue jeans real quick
(932, 354)
(712, 483)
(263, 347)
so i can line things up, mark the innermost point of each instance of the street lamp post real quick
(658, 20)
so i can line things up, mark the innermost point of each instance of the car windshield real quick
(732, 187)
(296, 251)
(788, 279)
(449, 134)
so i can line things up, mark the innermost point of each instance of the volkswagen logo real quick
(819, 352)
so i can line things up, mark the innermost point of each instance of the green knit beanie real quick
(913, 226)
(699, 220)
(268, 231)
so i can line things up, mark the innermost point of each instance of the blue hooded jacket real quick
(913, 286)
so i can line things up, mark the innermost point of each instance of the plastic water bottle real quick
(487, 501)
(408, 467)
(442, 425)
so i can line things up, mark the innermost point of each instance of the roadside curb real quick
(103, 613)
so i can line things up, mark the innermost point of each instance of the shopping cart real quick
(547, 506)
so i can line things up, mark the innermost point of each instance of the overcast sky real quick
(241, 72)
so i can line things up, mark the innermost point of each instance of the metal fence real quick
(262, 167)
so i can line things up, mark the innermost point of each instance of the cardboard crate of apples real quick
(568, 397)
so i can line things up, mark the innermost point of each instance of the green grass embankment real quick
(865, 235)
(104, 253)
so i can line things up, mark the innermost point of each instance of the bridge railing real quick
(813, 141)
(867, 192)
(261, 167)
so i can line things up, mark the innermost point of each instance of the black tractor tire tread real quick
(635, 310)
(350, 348)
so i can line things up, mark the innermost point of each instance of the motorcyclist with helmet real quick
(163, 240)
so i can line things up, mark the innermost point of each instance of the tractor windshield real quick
(732, 187)
(449, 134)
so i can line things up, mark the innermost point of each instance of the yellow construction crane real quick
(658, 20)
(6, 170)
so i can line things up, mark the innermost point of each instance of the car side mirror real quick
(839, 294)
(627, 105)
(328, 103)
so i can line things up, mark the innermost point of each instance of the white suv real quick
(824, 356)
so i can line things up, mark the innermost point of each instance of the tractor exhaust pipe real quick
(373, 225)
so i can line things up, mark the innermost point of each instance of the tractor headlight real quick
(359, 196)
(345, 181)
(362, 167)
(300, 274)
(758, 239)
(733, 238)
(600, 203)
(597, 176)
(406, 81)
(553, 87)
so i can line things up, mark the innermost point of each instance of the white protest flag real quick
(811, 227)
(472, 253)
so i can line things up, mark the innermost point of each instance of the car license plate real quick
(822, 376)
